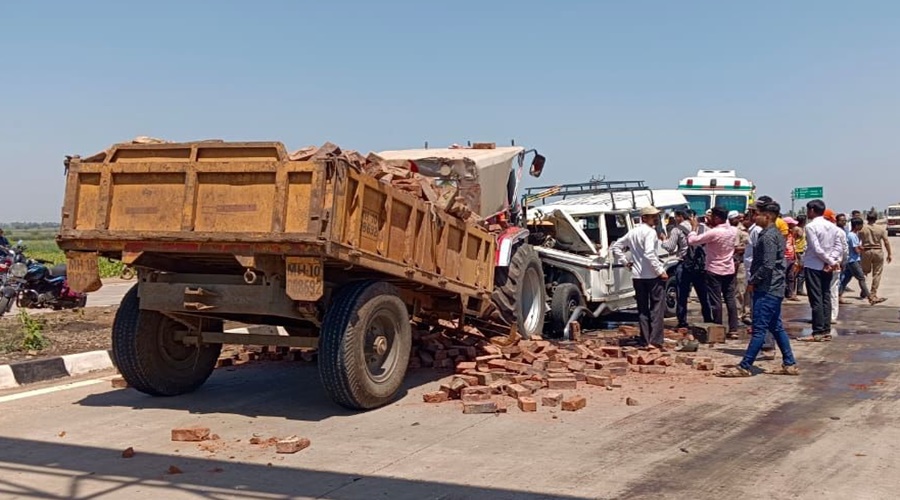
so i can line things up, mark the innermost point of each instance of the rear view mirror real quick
(537, 165)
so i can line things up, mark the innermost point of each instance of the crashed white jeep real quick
(573, 236)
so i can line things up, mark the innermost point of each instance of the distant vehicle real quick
(710, 188)
(893, 220)
(573, 236)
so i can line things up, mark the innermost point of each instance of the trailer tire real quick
(519, 292)
(671, 295)
(365, 345)
(150, 359)
(566, 297)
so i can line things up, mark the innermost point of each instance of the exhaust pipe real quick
(578, 312)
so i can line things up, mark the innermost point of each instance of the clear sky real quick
(789, 93)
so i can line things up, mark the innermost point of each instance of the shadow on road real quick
(36, 469)
(265, 388)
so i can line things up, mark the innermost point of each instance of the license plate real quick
(83, 271)
(305, 278)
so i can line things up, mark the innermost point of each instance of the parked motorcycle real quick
(31, 284)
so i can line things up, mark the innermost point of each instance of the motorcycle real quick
(31, 284)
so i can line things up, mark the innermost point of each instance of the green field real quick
(41, 244)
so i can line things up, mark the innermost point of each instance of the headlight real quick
(18, 270)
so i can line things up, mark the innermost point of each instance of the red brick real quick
(583, 351)
(517, 390)
(497, 363)
(468, 379)
(435, 397)
(444, 363)
(619, 363)
(528, 357)
(618, 371)
(539, 364)
(467, 365)
(629, 331)
(518, 379)
(557, 365)
(292, 444)
(119, 383)
(562, 383)
(498, 386)
(648, 357)
(475, 407)
(576, 366)
(190, 434)
(540, 345)
(490, 349)
(599, 380)
(574, 403)
(611, 351)
(684, 359)
(705, 366)
(551, 399)
(664, 361)
(654, 369)
(533, 385)
(517, 367)
(550, 351)
(510, 351)
(488, 357)
(580, 376)
(633, 359)
(527, 404)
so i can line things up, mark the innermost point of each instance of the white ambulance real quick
(710, 188)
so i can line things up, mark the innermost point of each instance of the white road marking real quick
(50, 390)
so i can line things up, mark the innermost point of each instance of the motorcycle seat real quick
(58, 270)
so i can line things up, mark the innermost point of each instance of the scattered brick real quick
(172, 470)
(468, 379)
(705, 366)
(527, 404)
(128, 453)
(533, 385)
(517, 367)
(190, 434)
(577, 366)
(629, 331)
(292, 444)
(497, 364)
(574, 403)
(224, 362)
(475, 407)
(466, 366)
(664, 361)
(562, 384)
(551, 399)
(633, 359)
(119, 383)
(654, 369)
(631, 402)
(599, 380)
(648, 357)
(517, 391)
(435, 397)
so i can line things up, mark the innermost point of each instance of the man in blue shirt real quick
(854, 261)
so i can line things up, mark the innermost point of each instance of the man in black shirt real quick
(766, 284)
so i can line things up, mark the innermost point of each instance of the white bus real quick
(710, 188)
(893, 220)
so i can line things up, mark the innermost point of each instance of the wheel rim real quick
(175, 353)
(531, 305)
(380, 339)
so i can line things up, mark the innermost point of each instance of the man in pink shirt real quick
(719, 243)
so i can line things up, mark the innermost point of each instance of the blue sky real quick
(789, 93)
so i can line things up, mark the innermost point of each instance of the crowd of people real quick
(744, 265)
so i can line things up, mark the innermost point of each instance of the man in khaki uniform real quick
(872, 237)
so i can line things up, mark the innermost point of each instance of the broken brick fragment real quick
(292, 444)
(654, 369)
(190, 434)
(562, 383)
(527, 404)
(476, 407)
(435, 397)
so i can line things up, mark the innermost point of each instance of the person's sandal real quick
(786, 370)
(734, 372)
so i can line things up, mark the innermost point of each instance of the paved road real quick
(830, 433)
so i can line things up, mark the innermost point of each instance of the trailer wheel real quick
(519, 292)
(671, 296)
(364, 346)
(149, 357)
(565, 299)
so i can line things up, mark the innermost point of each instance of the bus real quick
(893, 219)
(710, 188)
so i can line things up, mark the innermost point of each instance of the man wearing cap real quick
(767, 285)
(821, 260)
(649, 275)
(720, 276)
(873, 237)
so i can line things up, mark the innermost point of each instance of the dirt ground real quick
(66, 332)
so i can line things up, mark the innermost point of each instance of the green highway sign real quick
(808, 193)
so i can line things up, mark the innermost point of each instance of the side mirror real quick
(537, 165)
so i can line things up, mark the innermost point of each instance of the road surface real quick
(830, 433)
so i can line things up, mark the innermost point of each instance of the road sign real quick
(808, 193)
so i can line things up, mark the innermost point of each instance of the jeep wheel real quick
(671, 296)
(565, 299)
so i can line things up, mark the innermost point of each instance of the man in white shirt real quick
(649, 275)
(841, 239)
(821, 259)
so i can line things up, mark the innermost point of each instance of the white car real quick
(573, 236)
